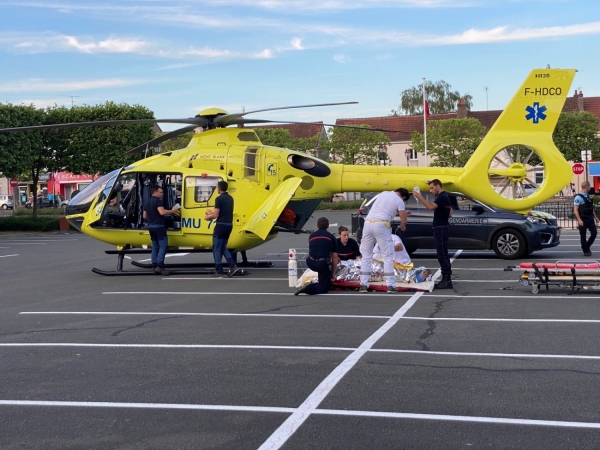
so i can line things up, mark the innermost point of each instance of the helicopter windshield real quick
(81, 202)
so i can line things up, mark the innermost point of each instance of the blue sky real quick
(178, 57)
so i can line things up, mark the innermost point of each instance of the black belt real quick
(319, 259)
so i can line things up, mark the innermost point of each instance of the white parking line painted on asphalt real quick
(8, 256)
(364, 296)
(483, 319)
(308, 406)
(330, 412)
(37, 241)
(166, 256)
(173, 346)
(341, 294)
(147, 406)
(470, 419)
(291, 347)
(308, 316)
(293, 422)
(126, 313)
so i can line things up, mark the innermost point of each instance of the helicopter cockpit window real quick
(199, 190)
(81, 202)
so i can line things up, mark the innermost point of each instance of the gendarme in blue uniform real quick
(441, 231)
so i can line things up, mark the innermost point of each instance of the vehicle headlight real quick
(536, 220)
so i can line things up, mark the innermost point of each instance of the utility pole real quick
(486, 98)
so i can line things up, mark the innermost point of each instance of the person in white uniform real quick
(400, 254)
(377, 230)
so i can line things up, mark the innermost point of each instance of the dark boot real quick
(446, 283)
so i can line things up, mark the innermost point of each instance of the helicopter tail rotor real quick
(520, 140)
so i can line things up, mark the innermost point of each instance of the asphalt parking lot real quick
(190, 362)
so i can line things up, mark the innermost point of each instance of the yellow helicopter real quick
(277, 189)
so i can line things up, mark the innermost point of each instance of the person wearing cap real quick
(377, 230)
(442, 209)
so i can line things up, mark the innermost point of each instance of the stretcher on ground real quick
(425, 286)
(573, 275)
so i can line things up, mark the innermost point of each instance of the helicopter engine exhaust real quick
(311, 166)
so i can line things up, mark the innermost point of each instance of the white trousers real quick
(377, 233)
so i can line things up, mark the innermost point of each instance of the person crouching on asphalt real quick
(322, 258)
(377, 230)
(441, 230)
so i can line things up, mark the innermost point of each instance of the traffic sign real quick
(578, 168)
(14, 183)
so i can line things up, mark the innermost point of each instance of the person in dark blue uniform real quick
(322, 258)
(223, 212)
(442, 209)
(586, 218)
(347, 247)
(154, 215)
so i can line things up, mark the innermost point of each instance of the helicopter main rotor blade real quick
(251, 121)
(159, 139)
(197, 121)
(226, 119)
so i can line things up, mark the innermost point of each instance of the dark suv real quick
(474, 226)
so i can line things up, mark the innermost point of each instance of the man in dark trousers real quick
(583, 208)
(322, 258)
(223, 213)
(441, 231)
(153, 215)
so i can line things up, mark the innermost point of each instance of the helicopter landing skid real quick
(170, 267)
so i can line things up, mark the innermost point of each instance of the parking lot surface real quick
(190, 362)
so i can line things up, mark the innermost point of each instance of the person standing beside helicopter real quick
(223, 213)
(153, 214)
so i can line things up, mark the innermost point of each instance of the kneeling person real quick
(322, 258)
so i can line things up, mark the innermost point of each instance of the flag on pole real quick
(425, 102)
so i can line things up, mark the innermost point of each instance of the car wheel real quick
(4, 206)
(509, 244)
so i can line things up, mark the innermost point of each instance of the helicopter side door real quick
(199, 194)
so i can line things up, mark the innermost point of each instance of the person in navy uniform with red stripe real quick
(442, 209)
(347, 247)
(322, 258)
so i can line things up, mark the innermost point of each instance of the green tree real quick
(281, 137)
(441, 98)
(355, 145)
(576, 132)
(176, 143)
(22, 153)
(99, 149)
(450, 142)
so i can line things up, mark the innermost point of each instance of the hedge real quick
(24, 223)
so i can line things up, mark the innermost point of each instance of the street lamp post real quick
(382, 155)
(407, 153)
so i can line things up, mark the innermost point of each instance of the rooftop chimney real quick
(461, 109)
(580, 102)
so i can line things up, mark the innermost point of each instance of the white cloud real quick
(38, 84)
(297, 44)
(341, 58)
